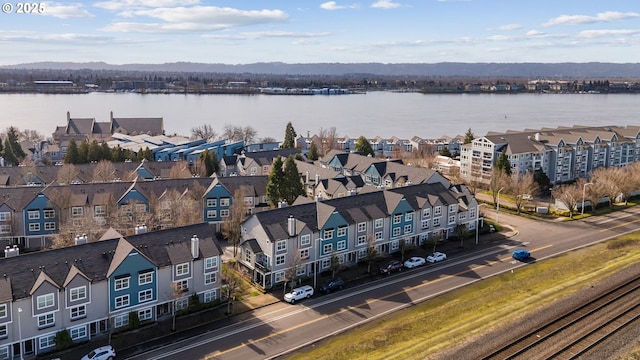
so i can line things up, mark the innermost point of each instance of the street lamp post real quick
(498, 205)
(20, 333)
(584, 188)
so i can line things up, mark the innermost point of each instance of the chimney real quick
(282, 204)
(307, 178)
(537, 136)
(195, 246)
(291, 226)
(140, 229)
(81, 239)
(317, 179)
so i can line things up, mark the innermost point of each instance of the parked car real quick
(436, 257)
(391, 267)
(414, 261)
(303, 292)
(102, 353)
(521, 254)
(332, 285)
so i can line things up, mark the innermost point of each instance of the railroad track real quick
(579, 330)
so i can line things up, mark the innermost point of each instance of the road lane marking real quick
(212, 356)
(620, 225)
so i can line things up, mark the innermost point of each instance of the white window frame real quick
(145, 295)
(121, 321)
(328, 234)
(212, 202)
(182, 269)
(45, 301)
(210, 278)
(78, 293)
(408, 216)
(46, 320)
(47, 341)
(33, 214)
(426, 213)
(396, 232)
(5, 228)
(49, 213)
(145, 278)
(362, 227)
(77, 211)
(378, 235)
(99, 210)
(49, 226)
(121, 283)
(280, 260)
(78, 312)
(327, 248)
(212, 213)
(452, 219)
(304, 254)
(121, 301)
(224, 213)
(425, 223)
(3, 335)
(279, 276)
(342, 231)
(397, 218)
(209, 296)
(305, 240)
(225, 201)
(79, 332)
(408, 229)
(281, 245)
(379, 223)
(362, 239)
(211, 262)
(3, 310)
(34, 227)
(437, 211)
(341, 245)
(5, 216)
(145, 314)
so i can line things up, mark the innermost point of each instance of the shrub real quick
(134, 320)
(63, 340)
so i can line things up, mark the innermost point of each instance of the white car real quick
(102, 353)
(436, 256)
(414, 261)
(303, 292)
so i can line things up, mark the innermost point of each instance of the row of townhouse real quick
(30, 216)
(304, 237)
(563, 154)
(92, 289)
(389, 147)
(380, 173)
(252, 163)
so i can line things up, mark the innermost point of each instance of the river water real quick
(384, 114)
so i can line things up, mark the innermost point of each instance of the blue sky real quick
(307, 31)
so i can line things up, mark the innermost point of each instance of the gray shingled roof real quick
(94, 259)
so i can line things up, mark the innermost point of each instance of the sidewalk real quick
(159, 333)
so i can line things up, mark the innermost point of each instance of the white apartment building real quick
(563, 154)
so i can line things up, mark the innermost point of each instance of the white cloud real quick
(267, 34)
(332, 5)
(510, 27)
(606, 16)
(142, 4)
(589, 34)
(197, 18)
(66, 11)
(385, 4)
(53, 38)
(535, 33)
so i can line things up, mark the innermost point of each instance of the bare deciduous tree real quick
(569, 195)
(180, 170)
(232, 226)
(104, 171)
(204, 132)
(607, 179)
(523, 185)
(232, 283)
(66, 174)
(499, 180)
(372, 253)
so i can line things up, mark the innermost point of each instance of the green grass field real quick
(450, 319)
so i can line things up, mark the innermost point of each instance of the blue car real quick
(521, 254)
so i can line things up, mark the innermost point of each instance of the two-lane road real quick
(281, 328)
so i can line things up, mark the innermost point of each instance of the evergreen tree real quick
(71, 157)
(1, 146)
(106, 152)
(445, 152)
(313, 152)
(14, 143)
(289, 137)
(210, 162)
(148, 155)
(83, 152)
(503, 163)
(363, 146)
(292, 185)
(276, 179)
(9, 156)
(468, 137)
(95, 152)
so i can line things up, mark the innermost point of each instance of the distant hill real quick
(449, 69)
